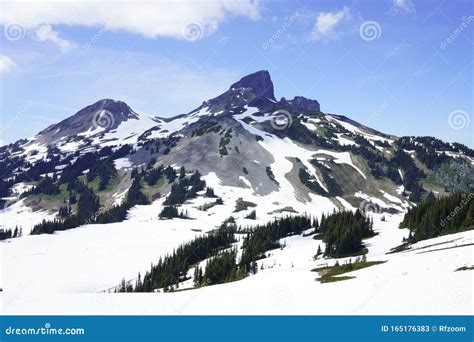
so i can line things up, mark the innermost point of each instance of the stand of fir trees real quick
(185, 188)
(222, 268)
(343, 233)
(45, 186)
(152, 176)
(434, 217)
(172, 211)
(105, 170)
(5, 186)
(87, 207)
(10, 234)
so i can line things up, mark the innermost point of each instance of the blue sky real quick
(402, 67)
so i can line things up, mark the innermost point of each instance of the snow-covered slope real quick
(69, 275)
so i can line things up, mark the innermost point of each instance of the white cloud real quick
(45, 33)
(150, 18)
(327, 22)
(406, 6)
(6, 64)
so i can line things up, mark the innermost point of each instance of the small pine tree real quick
(254, 267)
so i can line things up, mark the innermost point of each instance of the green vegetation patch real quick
(225, 140)
(330, 274)
(211, 127)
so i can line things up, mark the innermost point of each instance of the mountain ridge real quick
(238, 136)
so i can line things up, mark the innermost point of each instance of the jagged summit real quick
(260, 82)
(302, 103)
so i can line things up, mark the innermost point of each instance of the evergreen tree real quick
(134, 195)
(88, 205)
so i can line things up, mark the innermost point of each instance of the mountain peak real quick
(113, 106)
(260, 82)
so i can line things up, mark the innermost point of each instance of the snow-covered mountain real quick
(263, 159)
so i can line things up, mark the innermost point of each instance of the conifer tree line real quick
(426, 149)
(100, 164)
(9, 233)
(222, 265)
(173, 268)
(89, 210)
(265, 237)
(456, 176)
(380, 166)
(342, 231)
(434, 217)
(5, 186)
(46, 185)
(87, 207)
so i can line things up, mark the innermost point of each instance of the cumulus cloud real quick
(45, 33)
(6, 64)
(406, 6)
(327, 23)
(149, 18)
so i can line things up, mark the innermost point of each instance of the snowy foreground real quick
(65, 273)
